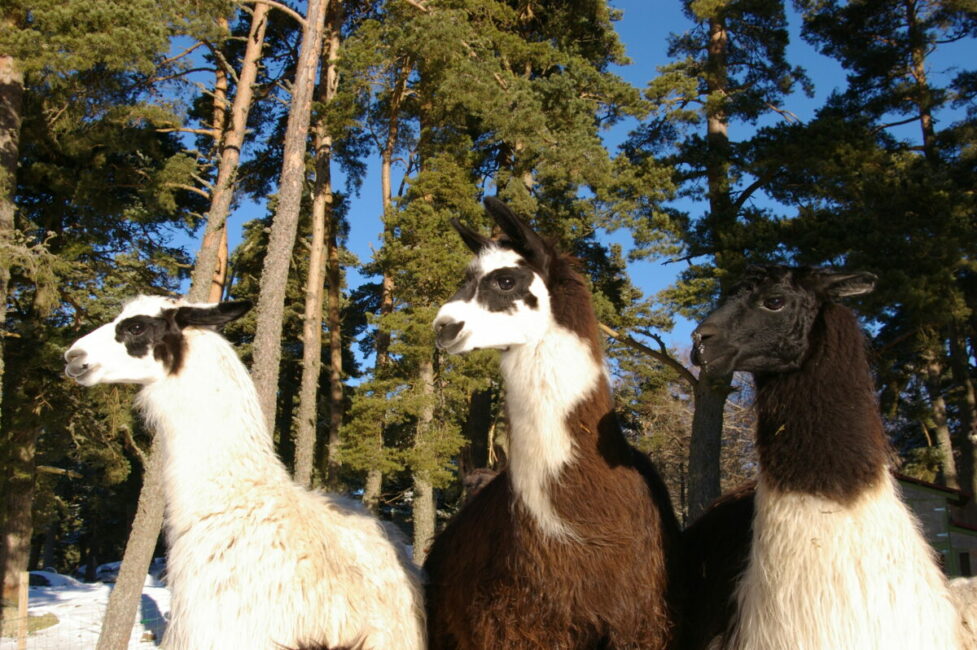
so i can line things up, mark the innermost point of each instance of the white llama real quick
(255, 561)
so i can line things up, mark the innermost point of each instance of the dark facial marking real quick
(140, 334)
(502, 288)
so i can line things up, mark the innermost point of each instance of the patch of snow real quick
(80, 607)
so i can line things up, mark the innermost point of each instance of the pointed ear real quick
(842, 285)
(473, 240)
(523, 238)
(214, 316)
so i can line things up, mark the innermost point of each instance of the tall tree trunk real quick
(127, 593)
(424, 514)
(208, 273)
(966, 402)
(322, 214)
(11, 103)
(933, 379)
(334, 277)
(710, 396)
(274, 274)
(374, 478)
(19, 499)
(705, 445)
(924, 95)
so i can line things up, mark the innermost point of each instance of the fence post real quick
(25, 581)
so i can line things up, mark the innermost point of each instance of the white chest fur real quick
(544, 382)
(823, 576)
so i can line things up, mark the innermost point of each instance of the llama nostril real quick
(73, 354)
(704, 332)
(448, 332)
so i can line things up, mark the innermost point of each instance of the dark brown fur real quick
(496, 582)
(818, 429)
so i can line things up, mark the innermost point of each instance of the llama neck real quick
(212, 431)
(547, 385)
(818, 428)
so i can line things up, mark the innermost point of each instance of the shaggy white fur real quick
(255, 561)
(823, 576)
(964, 594)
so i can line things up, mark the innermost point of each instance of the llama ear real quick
(473, 240)
(214, 316)
(523, 238)
(842, 285)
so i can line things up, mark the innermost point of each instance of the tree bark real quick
(18, 500)
(705, 446)
(14, 551)
(966, 402)
(209, 274)
(933, 380)
(322, 213)
(274, 275)
(424, 514)
(120, 614)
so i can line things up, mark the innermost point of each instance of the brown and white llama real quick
(571, 545)
(835, 559)
(255, 561)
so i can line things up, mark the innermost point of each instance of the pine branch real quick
(288, 11)
(661, 354)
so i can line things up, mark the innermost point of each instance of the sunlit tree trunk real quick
(423, 507)
(210, 269)
(319, 254)
(126, 595)
(11, 103)
(274, 275)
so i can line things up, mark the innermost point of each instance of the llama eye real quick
(774, 303)
(505, 283)
(135, 328)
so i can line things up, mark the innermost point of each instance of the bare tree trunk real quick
(933, 379)
(11, 102)
(209, 274)
(966, 401)
(19, 498)
(14, 550)
(322, 213)
(705, 446)
(424, 514)
(120, 615)
(274, 274)
(334, 278)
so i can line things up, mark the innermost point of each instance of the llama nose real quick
(73, 354)
(700, 336)
(704, 332)
(447, 331)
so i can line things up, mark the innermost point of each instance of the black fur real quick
(500, 289)
(163, 334)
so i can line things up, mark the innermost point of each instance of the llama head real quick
(145, 343)
(504, 301)
(765, 323)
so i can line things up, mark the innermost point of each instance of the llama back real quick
(347, 565)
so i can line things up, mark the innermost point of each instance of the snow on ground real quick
(80, 606)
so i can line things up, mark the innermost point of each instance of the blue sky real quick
(644, 29)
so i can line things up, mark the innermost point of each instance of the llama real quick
(835, 558)
(572, 544)
(255, 561)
